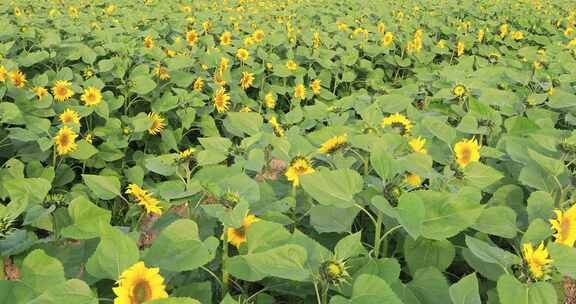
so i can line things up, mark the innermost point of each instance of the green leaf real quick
(87, 219)
(41, 271)
(480, 175)
(332, 219)
(114, 254)
(393, 103)
(430, 286)
(178, 248)
(105, 187)
(411, 212)
(499, 220)
(27, 190)
(511, 291)
(440, 129)
(164, 164)
(85, 151)
(349, 246)
(382, 161)
(371, 287)
(553, 166)
(333, 188)
(141, 122)
(73, 291)
(143, 85)
(173, 300)
(465, 291)
(15, 292)
(244, 123)
(564, 259)
(492, 254)
(540, 205)
(423, 253)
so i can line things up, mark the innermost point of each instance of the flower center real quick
(141, 293)
(564, 229)
(465, 155)
(62, 91)
(64, 140)
(400, 127)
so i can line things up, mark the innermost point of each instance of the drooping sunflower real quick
(417, 145)
(62, 90)
(300, 92)
(237, 236)
(398, 122)
(139, 284)
(467, 151)
(91, 97)
(242, 54)
(157, 123)
(536, 259)
(387, 39)
(291, 65)
(413, 180)
(221, 100)
(148, 42)
(246, 80)
(270, 101)
(298, 167)
(18, 79)
(65, 141)
(145, 199)
(333, 144)
(316, 86)
(40, 92)
(192, 37)
(198, 84)
(136, 191)
(69, 116)
(226, 38)
(3, 73)
(565, 226)
(459, 90)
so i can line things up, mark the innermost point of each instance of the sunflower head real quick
(158, 123)
(139, 284)
(537, 259)
(334, 272)
(198, 84)
(225, 38)
(246, 80)
(62, 90)
(148, 42)
(278, 130)
(413, 180)
(565, 226)
(221, 100)
(270, 101)
(291, 65)
(459, 91)
(18, 79)
(460, 49)
(230, 199)
(192, 37)
(387, 39)
(65, 141)
(91, 96)
(467, 151)
(300, 92)
(258, 36)
(299, 166)
(237, 236)
(3, 73)
(333, 144)
(161, 72)
(186, 153)
(315, 86)
(417, 145)
(242, 54)
(69, 117)
(399, 123)
(40, 92)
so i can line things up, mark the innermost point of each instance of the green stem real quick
(325, 293)
(377, 233)
(225, 274)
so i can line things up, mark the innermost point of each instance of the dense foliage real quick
(292, 151)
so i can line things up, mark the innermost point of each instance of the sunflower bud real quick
(334, 272)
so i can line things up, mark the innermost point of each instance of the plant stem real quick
(377, 233)
(325, 293)
(225, 275)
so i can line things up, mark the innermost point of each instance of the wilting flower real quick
(298, 167)
(139, 284)
(148, 42)
(398, 122)
(565, 226)
(69, 117)
(467, 151)
(300, 92)
(417, 145)
(198, 84)
(242, 54)
(226, 38)
(270, 101)
(291, 65)
(65, 141)
(221, 100)
(192, 37)
(144, 199)
(91, 96)
(62, 90)
(237, 236)
(459, 90)
(315, 86)
(18, 79)
(536, 259)
(40, 92)
(333, 144)
(157, 123)
(246, 80)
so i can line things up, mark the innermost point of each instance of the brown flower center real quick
(465, 155)
(141, 293)
(64, 139)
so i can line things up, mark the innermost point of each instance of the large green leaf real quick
(73, 291)
(333, 188)
(511, 291)
(105, 187)
(114, 254)
(41, 272)
(466, 290)
(564, 259)
(87, 219)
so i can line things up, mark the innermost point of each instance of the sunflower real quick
(139, 284)
(387, 39)
(18, 79)
(480, 35)
(381, 27)
(186, 153)
(40, 92)
(137, 192)
(278, 130)
(517, 35)
(298, 167)
(334, 272)
(65, 141)
(148, 42)
(62, 91)
(537, 259)
(69, 117)
(565, 226)
(144, 199)
(198, 84)
(467, 151)
(315, 86)
(192, 37)
(91, 96)
(333, 144)
(237, 236)
(248, 41)
(157, 123)
(441, 44)
(258, 36)
(300, 92)
(226, 38)
(569, 32)
(161, 72)
(221, 100)
(398, 122)
(245, 109)
(459, 90)
(316, 40)
(503, 30)
(206, 26)
(460, 49)
(270, 101)
(246, 80)
(3, 73)
(413, 180)
(223, 65)
(291, 65)
(417, 145)
(242, 54)
(17, 12)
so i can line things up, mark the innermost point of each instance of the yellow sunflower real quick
(157, 123)
(221, 100)
(161, 72)
(3, 73)
(237, 236)
(192, 37)
(226, 38)
(242, 54)
(223, 65)
(291, 65)
(381, 27)
(246, 80)
(91, 96)
(278, 130)
(417, 145)
(136, 191)
(65, 141)
(258, 36)
(316, 86)
(565, 226)
(517, 35)
(40, 92)
(148, 42)
(206, 25)
(459, 90)
(536, 259)
(398, 122)
(139, 284)
(186, 153)
(298, 167)
(333, 144)
(198, 84)
(460, 49)
(69, 117)
(316, 40)
(269, 100)
(18, 79)
(62, 90)
(387, 39)
(300, 92)
(467, 151)
(413, 180)
(145, 199)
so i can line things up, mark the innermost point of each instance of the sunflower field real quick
(287, 151)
